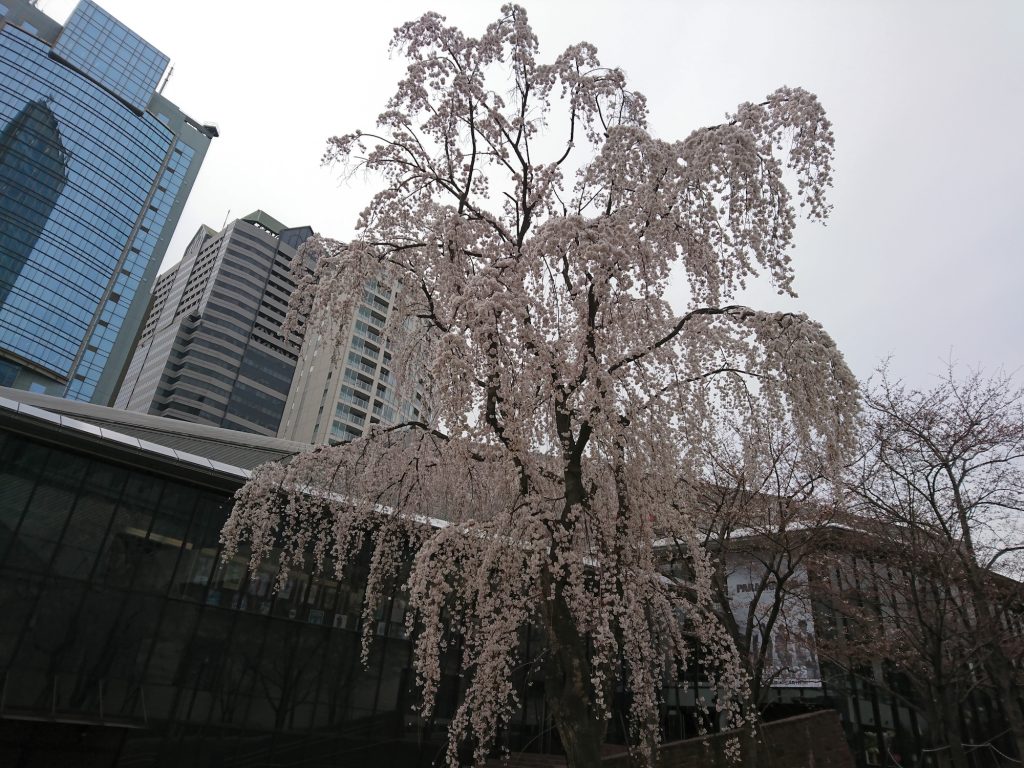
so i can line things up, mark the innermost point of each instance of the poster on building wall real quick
(792, 658)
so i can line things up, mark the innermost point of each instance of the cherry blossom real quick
(531, 226)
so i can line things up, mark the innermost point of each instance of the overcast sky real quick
(922, 258)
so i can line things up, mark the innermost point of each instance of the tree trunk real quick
(953, 731)
(567, 687)
(1009, 700)
(751, 735)
(1000, 668)
(750, 746)
(945, 736)
(753, 665)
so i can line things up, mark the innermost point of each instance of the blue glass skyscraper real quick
(33, 171)
(95, 166)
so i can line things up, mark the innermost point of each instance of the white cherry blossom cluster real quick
(532, 225)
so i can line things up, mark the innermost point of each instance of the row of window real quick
(99, 45)
(116, 602)
(114, 157)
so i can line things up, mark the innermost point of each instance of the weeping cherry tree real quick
(531, 228)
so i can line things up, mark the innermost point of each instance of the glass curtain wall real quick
(118, 611)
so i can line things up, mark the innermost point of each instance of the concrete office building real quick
(213, 349)
(95, 167)
(336, 398)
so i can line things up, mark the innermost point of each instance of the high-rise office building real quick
(95, 166)
(335, 398)
(213, 349)
(30, 149)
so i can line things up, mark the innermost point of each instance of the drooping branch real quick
(565, 397)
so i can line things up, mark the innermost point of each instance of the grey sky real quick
(922, 258)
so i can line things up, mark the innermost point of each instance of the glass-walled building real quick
(95, 166)
(30, 150)
(126, 641)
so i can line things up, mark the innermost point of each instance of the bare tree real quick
(939, 493)
(531, 224)
(889, 606)
(764, 504)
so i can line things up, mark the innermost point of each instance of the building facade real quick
(95, 167)
(128, 640)
(338, 397)
(213, 349)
